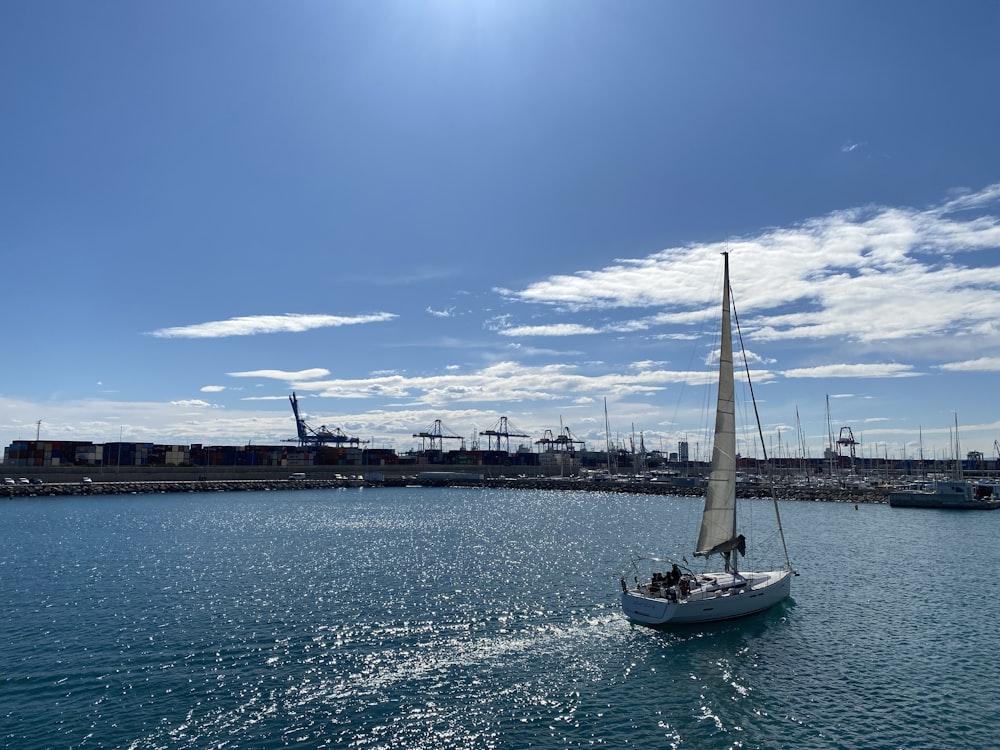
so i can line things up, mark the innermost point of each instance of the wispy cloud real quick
(853, 371)
(286, 375)
(551, 329)
(511, 381)
(252, 325)
(213, 388)
(577, 329)
(851, 146)
(983, 364)
(192, 402)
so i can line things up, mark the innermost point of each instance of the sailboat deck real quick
(708, 585)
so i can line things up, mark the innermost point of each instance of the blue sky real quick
(409, 211)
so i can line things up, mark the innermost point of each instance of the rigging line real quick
(760, 430)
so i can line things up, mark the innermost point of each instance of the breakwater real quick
(787, 492)
(63, 489)
(783, 492)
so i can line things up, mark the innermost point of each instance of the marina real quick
(321, 452)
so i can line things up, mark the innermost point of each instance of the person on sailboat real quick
(684, 584)
(674, 576)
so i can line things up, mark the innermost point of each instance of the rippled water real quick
(436, 618)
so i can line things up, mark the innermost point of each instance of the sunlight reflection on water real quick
(459, 619)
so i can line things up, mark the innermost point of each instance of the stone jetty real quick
(63, 489)
(786, 492)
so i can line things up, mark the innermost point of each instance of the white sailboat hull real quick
(719, 596)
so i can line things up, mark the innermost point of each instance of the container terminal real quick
(322, 454)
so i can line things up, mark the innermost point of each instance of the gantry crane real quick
(437, 434)
(847, 438)
(566, 441)
(309, 435)
(501, 431)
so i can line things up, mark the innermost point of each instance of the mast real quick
(958, 453)
(803, 463)
(921, 434)
(607, 438)
(829, 436)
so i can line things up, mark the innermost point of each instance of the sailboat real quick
(683, 596)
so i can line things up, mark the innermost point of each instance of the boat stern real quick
(646, 609)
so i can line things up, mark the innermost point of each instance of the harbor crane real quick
(847, 439)
(315, 436)
(436, 435)
(501, 433)
(566, 441)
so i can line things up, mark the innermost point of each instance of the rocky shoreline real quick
(808, 494)
(150, 488)
(65, 489)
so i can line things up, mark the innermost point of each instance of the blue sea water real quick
(448, 618)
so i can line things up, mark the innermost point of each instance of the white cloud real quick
(441, 313)
(195, 402)
(286, 375)
(868, 275)
(182, 421)
(212, 388)
(510, 381)
(254, 324)
(983, 364)
(552, 329)
(497, 322)
(578, 329)
(853, 371)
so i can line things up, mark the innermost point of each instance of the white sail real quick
(718, 522)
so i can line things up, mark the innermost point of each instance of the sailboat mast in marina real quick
(682, 596)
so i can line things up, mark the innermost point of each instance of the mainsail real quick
(718, 522)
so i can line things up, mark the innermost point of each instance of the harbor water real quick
(479, 618)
